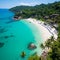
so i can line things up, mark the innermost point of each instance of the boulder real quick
(23, 54)
(31, 46)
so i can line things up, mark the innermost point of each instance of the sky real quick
(13, 3)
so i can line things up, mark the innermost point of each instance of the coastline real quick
(46, 33)
(45, 30)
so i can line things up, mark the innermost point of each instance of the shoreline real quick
(46, 31)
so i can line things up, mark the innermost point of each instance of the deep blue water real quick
(16, 35)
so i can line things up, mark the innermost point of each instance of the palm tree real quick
(52, 38)
(42, 46)
(48, 44)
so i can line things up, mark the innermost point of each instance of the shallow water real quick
(16, 36)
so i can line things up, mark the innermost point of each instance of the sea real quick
(15, 37)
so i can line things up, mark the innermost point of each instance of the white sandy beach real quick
(46, 34)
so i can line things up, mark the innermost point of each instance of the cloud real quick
(29, 4)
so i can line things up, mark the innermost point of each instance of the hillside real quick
(38, 11)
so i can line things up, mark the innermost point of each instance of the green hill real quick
(38, 11)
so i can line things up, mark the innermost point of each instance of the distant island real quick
(49, 14)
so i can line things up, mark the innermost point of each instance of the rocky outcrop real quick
(23, 54)
(17, 17)
(31, 46)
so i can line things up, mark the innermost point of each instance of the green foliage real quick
(42, 46)
(55, 54)
(38, 11)
(55, 47)
(34, 57)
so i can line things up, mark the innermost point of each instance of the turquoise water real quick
(16, 35)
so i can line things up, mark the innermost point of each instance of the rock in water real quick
(1, 44)
(32, 46)
(6, 37)
(2, 30)
(23, 54)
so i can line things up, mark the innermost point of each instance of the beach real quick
(46, 31)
